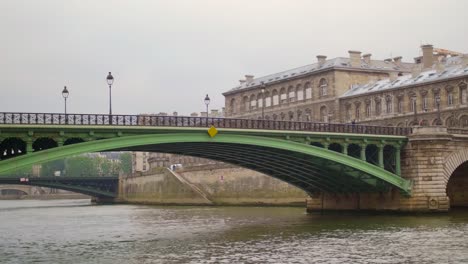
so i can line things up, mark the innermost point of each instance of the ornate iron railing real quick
(185, 121)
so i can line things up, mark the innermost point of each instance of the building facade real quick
(359, 89)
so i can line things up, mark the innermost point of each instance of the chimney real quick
(418, 60)
(465, 59)
(355, 58)
(321, 59)
(249, 78)
(428, 56)
(367, 57)
(397, 60)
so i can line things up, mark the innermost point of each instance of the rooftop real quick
(336, 63)
(453, 67)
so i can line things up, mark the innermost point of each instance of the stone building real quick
(388, 92)
(434, 94)
(308, 93)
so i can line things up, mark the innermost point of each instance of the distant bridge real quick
(103, 187)
(316, 157)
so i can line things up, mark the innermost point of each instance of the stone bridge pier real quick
(437, 164)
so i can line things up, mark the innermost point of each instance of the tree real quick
(126, 163)
(81, 166)
(49, 168)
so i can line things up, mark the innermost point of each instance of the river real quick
(76, 231)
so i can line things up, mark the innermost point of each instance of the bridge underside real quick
(312, 174)
(310, 168)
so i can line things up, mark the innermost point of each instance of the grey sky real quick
(166, 55)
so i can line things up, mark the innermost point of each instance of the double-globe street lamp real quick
(207, 102)
(263, 100)
(439, 122)
(65, 95)
(110, 81)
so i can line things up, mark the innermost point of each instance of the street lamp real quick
(110, 81)
(439, 122)
(65, 94)
(263, 100)
(207, 102)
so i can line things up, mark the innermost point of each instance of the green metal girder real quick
(182, 136)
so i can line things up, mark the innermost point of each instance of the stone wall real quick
(210, 185)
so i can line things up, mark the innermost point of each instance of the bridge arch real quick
(456, 178)
(309, 168)
(11, 147)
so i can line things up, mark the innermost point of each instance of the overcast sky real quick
(167, 55)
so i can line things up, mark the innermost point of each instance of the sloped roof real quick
(453, 68)
(337, 63)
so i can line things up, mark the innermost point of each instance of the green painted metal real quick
(122, 138)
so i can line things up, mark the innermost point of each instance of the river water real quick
(76, 231)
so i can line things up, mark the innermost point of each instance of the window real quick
(449, 98)
(253, 102)
(323, 114)
(413, 102)
(425, 101)
(400, 105)
(378, 107)
(267, 99)
(389, 105)
(245, 104)
(291, 94)
(357, 113)
(368, 109)
(463, 94)
(300, 93)
(232, 106)
(260, 100)
(275, 97)
(283, 95)
(323, 87)
(308, 91)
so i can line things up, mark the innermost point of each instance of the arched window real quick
(299, 92)
(323, 114)
(308, 115)
(291, 116)
(253, 102)
(283, 96)
(232, 106)
(275, 97)
(308, 90)
(412, 103)
(299, 115)
(368, 109)
(275, 117)
(378, 106)
(388, 105)
(451, 122)
(283, 116)
(400, 104)
(291, 94)
(464, 121)
(323, 85)
(245, 104)
(449, 91)
(357, 110)
(463, 94)
(424, 101)
(267, 99)
(260, 98)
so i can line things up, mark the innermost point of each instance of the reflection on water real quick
(74, 231)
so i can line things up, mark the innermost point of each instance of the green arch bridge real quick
(316, 157)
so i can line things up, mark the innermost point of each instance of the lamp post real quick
(110, 81)
(439, 122)
(207, 102)
(65, 94)
(263, 100)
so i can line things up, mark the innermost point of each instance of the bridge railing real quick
(185, 121)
